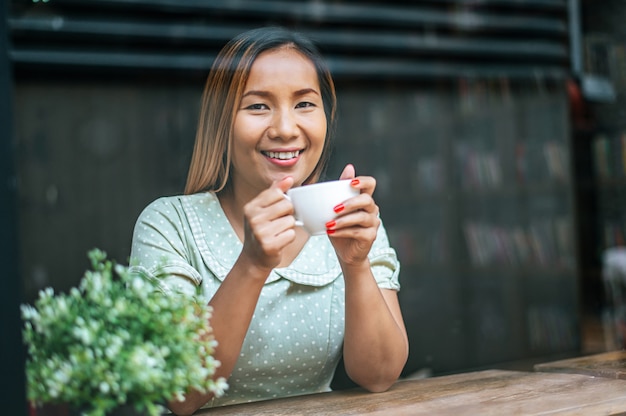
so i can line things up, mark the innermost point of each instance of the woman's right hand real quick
(269, 225)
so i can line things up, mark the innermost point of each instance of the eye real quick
(305, 104)
(257, 107)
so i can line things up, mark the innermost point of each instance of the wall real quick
(92, 156)
(449, 104)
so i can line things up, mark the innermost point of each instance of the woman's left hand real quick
(354, 230)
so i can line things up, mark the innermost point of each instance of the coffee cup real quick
(313, 204)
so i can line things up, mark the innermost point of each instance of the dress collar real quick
(315, 265)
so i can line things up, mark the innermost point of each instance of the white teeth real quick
(283, 155)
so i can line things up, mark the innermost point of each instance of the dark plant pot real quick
(65, 410)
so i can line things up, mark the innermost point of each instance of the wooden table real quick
(608, 364)
(492, 392)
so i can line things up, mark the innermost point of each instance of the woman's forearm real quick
(376, 345)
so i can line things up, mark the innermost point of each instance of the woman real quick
(286, 305)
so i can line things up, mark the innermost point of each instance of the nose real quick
(284, 125)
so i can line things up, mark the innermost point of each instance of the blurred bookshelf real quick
(479, 204)
(609, 171)
(599, 137)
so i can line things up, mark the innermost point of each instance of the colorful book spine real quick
(609, 156)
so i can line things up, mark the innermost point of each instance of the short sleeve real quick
(384, 262)
(159, 249)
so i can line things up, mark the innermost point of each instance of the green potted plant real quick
(117, 341)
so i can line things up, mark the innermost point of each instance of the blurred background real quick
(495, 128)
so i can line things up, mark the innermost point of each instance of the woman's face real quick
(280, 125)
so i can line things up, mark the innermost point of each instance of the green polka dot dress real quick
(294, 341)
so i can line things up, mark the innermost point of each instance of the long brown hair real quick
(209, 169)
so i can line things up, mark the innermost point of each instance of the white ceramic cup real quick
(314, 203)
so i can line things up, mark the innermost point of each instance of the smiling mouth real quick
(282, 155)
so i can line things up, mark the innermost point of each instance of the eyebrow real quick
(298, 93)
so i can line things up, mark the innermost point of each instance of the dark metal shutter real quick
(382, 39)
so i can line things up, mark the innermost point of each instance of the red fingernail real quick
(330, 232)
(338, 208)
(330, 224)
(355, 182)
